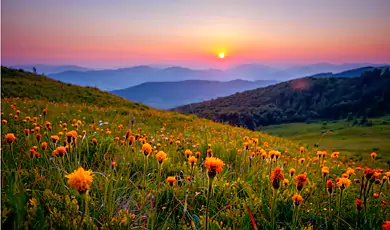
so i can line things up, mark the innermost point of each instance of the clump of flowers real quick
(386, 225)
(368, 173)
(59, 151)
(34, 153)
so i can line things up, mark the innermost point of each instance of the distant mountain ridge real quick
(51, 69)
(125, 77)
(349, 73)
(303, 99)
(167, 95)
(113, 79)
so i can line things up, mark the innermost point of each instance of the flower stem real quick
(208, 203)
(338, 216)
(85, 196)
(275, 192)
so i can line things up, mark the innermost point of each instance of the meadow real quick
(101, 162)
(255, 181)
(345, 136)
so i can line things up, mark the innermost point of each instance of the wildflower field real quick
(85, 166)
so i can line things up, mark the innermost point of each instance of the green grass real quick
(357, 141)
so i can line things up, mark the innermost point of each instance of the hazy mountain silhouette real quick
(166, 95)
(50, 69)
(112, 79)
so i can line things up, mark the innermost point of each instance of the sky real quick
(113, 34)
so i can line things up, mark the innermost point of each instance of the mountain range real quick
(113, 79)
(349, 73)
(167, 95)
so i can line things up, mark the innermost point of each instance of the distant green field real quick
(357, 141)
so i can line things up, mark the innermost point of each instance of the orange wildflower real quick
(147, 149)
(276, 177)
(171, 180)
(343, 183)
(188, 153)
(301, 149)
(297, 199)
(27, 132)
(80, 179)
(10, 138)
(192, 160)
(301, 180)
(329, 186)
(209, 153)
(44, 145)
(292, 171)
(39, 137)
(214, 165)
(94, 141)
(325, 171)
(359, 204)
(161, 157)
(54, 139)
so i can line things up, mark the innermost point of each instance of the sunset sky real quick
(111, 34)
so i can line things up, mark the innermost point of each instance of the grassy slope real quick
(355, 140)
(15, 83)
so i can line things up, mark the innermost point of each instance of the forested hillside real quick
(301, 100)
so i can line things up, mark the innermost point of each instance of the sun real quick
(221, 55)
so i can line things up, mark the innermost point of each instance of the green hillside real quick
(301, 100)
(18, 83)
